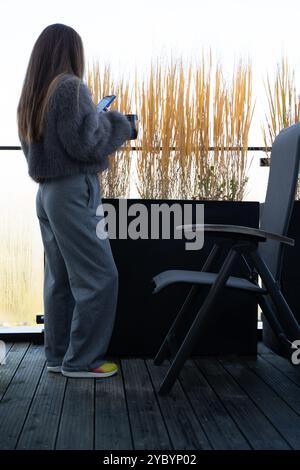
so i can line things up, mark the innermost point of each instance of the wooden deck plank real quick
(8, 347)
(260, 433)
(186, 433)
(263, 349)
(283, 418)
(289, 370)
(13, 359)
(286, 388)
(147, 424)
(76, 429)
(112, 427)
(40, 429)
(220, 428)
(225, 404)
(16, 400)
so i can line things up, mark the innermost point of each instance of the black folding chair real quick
(261, 253)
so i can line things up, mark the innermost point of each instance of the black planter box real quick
(290, 278)
(143, 318)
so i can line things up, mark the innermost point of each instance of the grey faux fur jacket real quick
(76, 138)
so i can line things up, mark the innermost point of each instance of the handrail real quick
(264, 161)
(134, 148)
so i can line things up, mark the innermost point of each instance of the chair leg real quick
(162, 353)
(270, 315)
(286, 317)
(164, 348)
(192, 335)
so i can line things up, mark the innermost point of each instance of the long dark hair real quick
(57, 51)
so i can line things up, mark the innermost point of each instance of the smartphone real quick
(105, 103)
(132, 118)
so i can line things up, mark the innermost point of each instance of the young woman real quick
(66, 143)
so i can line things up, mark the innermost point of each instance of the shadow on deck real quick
(228, 403)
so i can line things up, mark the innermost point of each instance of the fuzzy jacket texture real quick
(76, 138)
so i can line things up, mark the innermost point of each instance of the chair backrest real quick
(282, 184)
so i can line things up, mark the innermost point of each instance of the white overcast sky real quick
(130, 32)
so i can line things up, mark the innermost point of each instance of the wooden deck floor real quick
(216, 404)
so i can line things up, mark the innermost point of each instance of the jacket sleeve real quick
(85, 134)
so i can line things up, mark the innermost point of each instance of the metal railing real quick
(264, 161)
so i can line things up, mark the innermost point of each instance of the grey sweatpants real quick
(81, 278)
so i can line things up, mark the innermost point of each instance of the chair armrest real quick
(247, 232)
